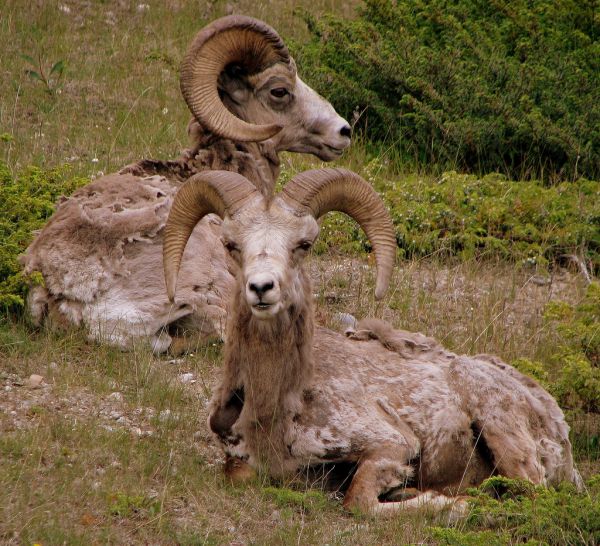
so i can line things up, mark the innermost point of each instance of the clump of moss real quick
(523, 513)
(306, 500)
(26, 201)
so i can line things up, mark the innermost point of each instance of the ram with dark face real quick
(100, 253)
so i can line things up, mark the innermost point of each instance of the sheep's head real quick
(268, 239)
(240, 83)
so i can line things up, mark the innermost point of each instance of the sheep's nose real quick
(260, 288)
(346, 131)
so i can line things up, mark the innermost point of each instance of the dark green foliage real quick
(26, 202)
(471, 216)
(512, 87)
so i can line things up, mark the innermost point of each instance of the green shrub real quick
(491, 216)
(577, 357)
(26, 202)
(479, 86)
(572, 370)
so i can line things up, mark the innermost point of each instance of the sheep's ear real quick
(218, 192)
(234, 84)
(233, 40)
(322, 190)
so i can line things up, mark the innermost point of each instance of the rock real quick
(115, 396)
(187, 378)
(540, 280)
(165, 415)
(35, 381)
(346, 320)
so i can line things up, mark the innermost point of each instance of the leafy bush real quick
(572, 372)
(471, 216)
(577, 386)
(522, 513)
(26, 202)
(482, 86)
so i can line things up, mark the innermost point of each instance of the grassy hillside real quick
(112, 447)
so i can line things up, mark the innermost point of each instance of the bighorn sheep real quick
(400, 407)
(100, 253)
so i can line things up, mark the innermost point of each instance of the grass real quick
(118, 97)
(114, 447)
(72, 471)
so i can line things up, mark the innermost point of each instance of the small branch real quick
(580, 263)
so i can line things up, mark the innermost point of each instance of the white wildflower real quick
(64, 8)
(165, 111)
(143, 7)
(95, 160)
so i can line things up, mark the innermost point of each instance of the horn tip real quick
(380, 292)
(170, 282)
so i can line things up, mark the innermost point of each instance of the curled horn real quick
(322, 190)
(218, 192)
(232, 39)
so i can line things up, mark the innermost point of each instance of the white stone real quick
(35, 381)
(187, 378)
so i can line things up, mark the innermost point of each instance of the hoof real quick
(237, 471)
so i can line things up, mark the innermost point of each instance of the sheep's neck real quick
(258, 162)
(273, 358)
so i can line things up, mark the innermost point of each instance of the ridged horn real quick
(323, 190)
(218, 192)
(233, 39)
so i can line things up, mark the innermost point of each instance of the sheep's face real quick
(277, 95)
(268, 244)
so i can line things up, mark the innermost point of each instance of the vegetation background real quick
(478, 122)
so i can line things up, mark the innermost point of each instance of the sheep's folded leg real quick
(450, 509)
(383, 470)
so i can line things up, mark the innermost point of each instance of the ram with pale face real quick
(100, 253)
(411, 417)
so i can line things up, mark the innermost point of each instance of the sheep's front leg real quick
(225, 410)
(384, 469)
(379, 471)
(226, 407)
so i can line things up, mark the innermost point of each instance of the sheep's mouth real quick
(334, 150)
(266, 311)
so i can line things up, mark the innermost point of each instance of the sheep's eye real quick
(304, 245)
(230, 246)
(279, 92)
